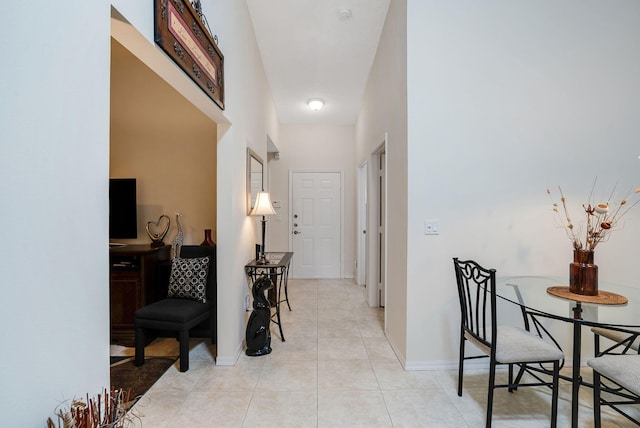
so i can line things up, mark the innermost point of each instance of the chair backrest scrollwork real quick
(476, 291)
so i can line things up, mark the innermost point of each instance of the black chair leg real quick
(511, 389)
(596, 400)
(139, 346)
(460, 364)
(554, 394)
(492, 383)
(521, 370)
(183, 337)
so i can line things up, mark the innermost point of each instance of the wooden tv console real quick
(133, 271)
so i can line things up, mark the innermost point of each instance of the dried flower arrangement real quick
(601, 219)
(107, 410)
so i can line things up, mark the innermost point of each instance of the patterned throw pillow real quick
(188, 279)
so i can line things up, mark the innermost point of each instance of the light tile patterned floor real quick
(336, 369)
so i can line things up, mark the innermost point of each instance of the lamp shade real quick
(263, 205)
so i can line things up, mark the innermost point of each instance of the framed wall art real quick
(180, 32)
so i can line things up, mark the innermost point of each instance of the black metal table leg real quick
(278, 312)
(577, 349)
(285, 275)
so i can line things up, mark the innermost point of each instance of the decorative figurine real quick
(176, 245)
(157, 235)
(258, 336)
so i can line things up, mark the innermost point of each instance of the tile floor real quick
(336, 369)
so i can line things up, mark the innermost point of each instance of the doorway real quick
(376, 244)
(316, 222)
(381, 252)
(361, 260)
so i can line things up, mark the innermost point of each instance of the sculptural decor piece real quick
(158, 230)
(208, 241)
(258, 336)
(176, 245)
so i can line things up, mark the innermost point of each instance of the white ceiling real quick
(308, 51)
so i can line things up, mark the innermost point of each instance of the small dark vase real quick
(207, 238)
(583, 274)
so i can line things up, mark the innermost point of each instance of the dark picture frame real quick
(255, 178)
(182, 36)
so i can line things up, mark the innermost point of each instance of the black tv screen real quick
(123, 222)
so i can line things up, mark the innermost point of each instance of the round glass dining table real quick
(538, 297)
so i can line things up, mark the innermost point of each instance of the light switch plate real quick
(432, 227)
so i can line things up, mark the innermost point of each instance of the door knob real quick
(295, 224)
(295, 232)
(295, 216)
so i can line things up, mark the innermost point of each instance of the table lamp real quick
(264, 208)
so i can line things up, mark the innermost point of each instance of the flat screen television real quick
(123, 218)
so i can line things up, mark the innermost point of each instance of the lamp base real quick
(262, 260)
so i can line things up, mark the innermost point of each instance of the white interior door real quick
(316, 224)
(361, 267)
(382, 221)
(376, 226)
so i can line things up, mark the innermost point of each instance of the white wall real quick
(313, 147)
(175, 163)
(504, 99)
(250, 109)
(54, 169)
(384, 110)
(139, 13)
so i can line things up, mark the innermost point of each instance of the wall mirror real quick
(255, 168)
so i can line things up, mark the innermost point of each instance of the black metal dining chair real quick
(501, 344)
(623, 389)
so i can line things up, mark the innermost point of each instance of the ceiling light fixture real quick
(344, 14)
(315, 104)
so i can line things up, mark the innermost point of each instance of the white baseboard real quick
(222, 360)
(395, 349)
(479, 364)
(444, 365)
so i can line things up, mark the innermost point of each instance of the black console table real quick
(278, 271)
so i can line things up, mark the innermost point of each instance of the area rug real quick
(137, 380)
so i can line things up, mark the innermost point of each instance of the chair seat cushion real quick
(517, 345)
(622, 369)
(173, 310)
